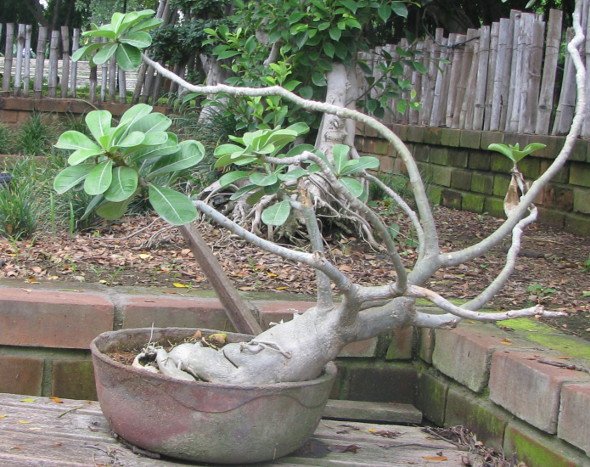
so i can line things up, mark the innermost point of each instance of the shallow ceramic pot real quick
(200, 421)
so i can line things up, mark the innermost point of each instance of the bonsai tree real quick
(140, 153)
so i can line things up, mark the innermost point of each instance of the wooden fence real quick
(504, 77)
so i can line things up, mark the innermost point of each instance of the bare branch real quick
(316, 261)
(501, 279)
(444, 304)
(461, 256)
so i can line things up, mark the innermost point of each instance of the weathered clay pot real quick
(201, 421)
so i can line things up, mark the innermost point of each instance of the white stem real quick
(444, 304)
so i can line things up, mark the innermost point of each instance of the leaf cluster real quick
(117, 161)
(513, 152)
(124, 38)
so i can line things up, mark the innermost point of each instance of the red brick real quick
(8, 116)
(147, 310)
(574, 415)
(364, 348)
(425, 344)
(21, 375)
(73, 379)
(402, 342)
(465, 353)
(274, 311)
(528, 388)
(48, 318)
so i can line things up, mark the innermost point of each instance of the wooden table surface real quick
(40, 431)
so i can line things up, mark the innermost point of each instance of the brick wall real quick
(461, 173)
(16, 110)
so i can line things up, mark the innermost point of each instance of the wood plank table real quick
(40, 431)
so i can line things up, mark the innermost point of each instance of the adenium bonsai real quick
(140, 153)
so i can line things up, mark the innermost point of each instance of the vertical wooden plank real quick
(515, 72)
(552, 45)
(483, 63)
(413, 115)
(27, 70)
(439, 97)
(530, 101)
(104, 70)
(113, 77)
(586, 125)
(491, 72)
(455, 55)
(40, 62)
(567, 96)
(74, 65)
(428, 82)
(53, 63)
(464, 108)
(525, 38)
(503, 77)
(20, 46)
(8, 57)
(463, 76)
(122, 86)
(65, 60)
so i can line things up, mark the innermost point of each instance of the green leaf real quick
(99, 123)
(81, 155)
(242, 191)
(318, 78)
(400, 9)
(340, 157)
(85, 51)
(105, 52)
(384, 12)
(293, 174)
(353, 185)
(263, 179)
(232, 177)
(75, 140)
(229, 148)
(503, 149)
(128, 57)
(147, 24)
(135, 138)
(329, 49)
(335, 34)
(357, 165)
(190, 154)
(123, 185)
(99, 178)
(151, 122)
(134, 113)
(111, 211)
(172, 206)
(250, 44)
(138, 39)
(277, 214)
(71, 177)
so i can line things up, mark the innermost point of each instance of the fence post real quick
(8, 57)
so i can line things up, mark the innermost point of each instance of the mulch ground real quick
(142, 251)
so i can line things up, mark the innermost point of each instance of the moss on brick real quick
(415, 134)
(461, 179)
(501, 183)
(489, 137)
(552, 217)
(580, 151)
(450, 137)
(500, 163)
(458, 158)
(582, 201)
(422, 152)
(482, 183)
(439, 155)
(472, 202)
(530, 168)
(580, 174)
(470, 139)
(435, 194)
(432, 135)
(441, 175)
(451, 199)
(479, 160)
(431, 397)
(494, 207)
(538, 450)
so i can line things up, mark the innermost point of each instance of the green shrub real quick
(35, 137)
(22, 201)
(6, 140)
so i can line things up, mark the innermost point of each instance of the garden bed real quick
(554, 268)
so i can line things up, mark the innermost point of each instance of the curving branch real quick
(494, 287)
(445, 305)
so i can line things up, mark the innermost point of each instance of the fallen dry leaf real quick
(435, 458)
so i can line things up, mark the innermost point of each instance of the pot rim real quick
(330, 369)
